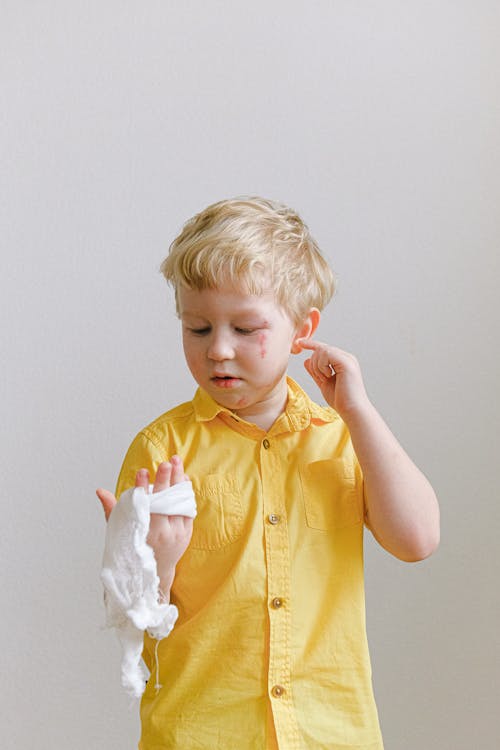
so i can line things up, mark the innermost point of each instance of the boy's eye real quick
(206, 329)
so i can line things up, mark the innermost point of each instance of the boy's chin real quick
(232, 400)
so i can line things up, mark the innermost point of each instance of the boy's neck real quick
(265, 413)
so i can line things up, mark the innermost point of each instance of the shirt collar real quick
(299, 412)
(205, 408)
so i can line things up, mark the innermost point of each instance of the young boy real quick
(270, 647)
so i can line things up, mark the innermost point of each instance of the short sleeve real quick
(360, 487)
(360, 482)
(142, 454)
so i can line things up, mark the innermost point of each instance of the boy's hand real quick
(169, 536)
(338, 376)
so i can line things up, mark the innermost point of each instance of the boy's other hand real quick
(168, 536)
(338, 376)
(166, 475)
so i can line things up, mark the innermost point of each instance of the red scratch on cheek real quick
(262, 342)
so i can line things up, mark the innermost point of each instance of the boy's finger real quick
(163, 474)
(316, 376)
(177, 470)
(333, 351)
(308, 343)
(142, 478)
(108, 501)
(326, 368)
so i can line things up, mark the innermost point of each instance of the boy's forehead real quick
(228, 298)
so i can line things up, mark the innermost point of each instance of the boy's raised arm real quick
(400, 505)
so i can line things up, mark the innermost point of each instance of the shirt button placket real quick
(278, 577)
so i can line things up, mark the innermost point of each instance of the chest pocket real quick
(331, 498)
(220, 513)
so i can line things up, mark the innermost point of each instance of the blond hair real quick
(255, 242)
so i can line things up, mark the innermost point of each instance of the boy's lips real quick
(225, 381)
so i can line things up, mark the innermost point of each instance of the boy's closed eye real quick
(199, 331)
(206, 330)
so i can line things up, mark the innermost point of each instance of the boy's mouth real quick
(225, 381)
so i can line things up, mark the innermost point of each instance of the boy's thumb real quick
(108, 501)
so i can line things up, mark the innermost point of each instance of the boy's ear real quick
(306, 329)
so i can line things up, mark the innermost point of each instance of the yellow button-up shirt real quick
(270, 647)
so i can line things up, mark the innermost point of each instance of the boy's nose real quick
(220, 348)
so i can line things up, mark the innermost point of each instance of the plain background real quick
(379, 122)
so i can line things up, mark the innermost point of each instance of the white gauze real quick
(130, 577)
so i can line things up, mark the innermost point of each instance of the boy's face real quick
(237, 346)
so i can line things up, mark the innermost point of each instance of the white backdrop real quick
(378, 121)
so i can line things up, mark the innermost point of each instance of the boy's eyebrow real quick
(243, 321)
(250, 313)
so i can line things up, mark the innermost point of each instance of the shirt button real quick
(278, 691)
(273, 518)
(266, 443)
(277, 602)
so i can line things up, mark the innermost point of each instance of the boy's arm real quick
(401, 507)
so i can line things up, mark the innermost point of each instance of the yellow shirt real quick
(270, 647)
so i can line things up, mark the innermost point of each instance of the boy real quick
(270, 648)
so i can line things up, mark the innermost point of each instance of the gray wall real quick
(379, 121)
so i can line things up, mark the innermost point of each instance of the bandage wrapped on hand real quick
(130, 578)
